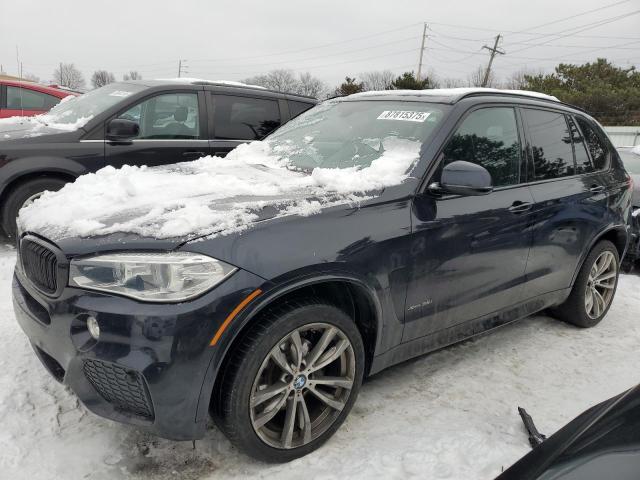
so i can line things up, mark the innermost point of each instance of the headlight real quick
(151, 277)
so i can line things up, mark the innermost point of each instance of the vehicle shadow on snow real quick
(145, 456)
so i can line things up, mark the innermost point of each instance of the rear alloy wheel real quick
(291, 382)
(594, 288)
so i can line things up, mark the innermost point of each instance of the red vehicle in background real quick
(22, 98)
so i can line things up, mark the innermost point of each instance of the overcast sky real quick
(237, 39)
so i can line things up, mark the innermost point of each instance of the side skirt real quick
(458, 333)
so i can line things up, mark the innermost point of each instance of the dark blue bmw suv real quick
(261, 288)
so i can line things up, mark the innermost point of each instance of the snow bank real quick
(208, 196)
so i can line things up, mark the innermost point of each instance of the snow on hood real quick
(38, 125)
(209, 196)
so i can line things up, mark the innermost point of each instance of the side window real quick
(244, 118)
(595, 144)
(167, 116)
(296, 108)
(550, 144)
(489, 137)
(583, 162)
(25, 99)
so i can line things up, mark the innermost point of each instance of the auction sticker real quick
(404, 115)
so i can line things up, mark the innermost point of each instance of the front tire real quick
(594, 288)
(291, 381)
(22, 194)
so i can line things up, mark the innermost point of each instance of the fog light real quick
(93, 327)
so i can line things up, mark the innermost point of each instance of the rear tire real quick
(22, 193)
(594, 288)
(304, 419)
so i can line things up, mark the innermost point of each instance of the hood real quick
(210, 196)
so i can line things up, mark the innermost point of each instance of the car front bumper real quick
(152, 363)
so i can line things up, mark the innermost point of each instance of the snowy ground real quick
(449, 415)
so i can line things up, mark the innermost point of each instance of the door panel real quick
(468, 258)
(469, 254)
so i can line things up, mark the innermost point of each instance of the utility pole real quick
(493, 51)
(182, 67)
(424, 37)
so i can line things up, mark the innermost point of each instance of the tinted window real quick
(550, 144)
(25, 99)
(296, 108)
(244, 118)
(596, 145)
(169, 116)
(489, 137)
(583, 162)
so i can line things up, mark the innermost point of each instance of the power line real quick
(495, 50)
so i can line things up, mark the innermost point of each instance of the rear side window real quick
(596, 146)
(550, 144)
(25, 99)
(489, 137)
(296, 108)
(583, 162)
(244, 118)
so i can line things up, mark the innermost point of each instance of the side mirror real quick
(464, 178)
(120, 129)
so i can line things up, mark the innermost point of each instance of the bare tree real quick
(311, 86)
(31, 77)
(476, 78)
(517, 80)
(67, 75)
(100, 78)
(452, 83)
(132, 75)
(280, 80)
(378, 80)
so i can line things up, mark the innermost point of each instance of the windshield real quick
(631, 161)
(77, 111)
(343, 134)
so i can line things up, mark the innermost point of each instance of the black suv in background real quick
(132, 123)
(508, 204)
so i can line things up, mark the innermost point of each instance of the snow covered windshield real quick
(343, 134)
(75, 112)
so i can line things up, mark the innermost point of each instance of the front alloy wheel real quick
(302, 385)
(291, 381)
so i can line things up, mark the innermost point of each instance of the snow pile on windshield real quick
(50, 119)
(209, 196)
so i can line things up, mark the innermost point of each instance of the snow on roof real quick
(455, 93)
(230, 83)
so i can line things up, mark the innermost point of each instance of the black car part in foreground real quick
(515, 204)
(601, 443)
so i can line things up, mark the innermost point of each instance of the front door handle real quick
(520, 207)
(596, 188)
(192, 154)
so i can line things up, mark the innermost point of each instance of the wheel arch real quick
(351, 295)
(26, 176)
(616, 234)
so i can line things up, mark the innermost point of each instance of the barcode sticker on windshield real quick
(119, 93)
(404, 115)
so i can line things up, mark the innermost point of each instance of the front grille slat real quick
(122, 388)
(40, 265)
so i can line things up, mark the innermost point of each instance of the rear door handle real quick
(520, 207)
(596, 188)
(193, 154)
